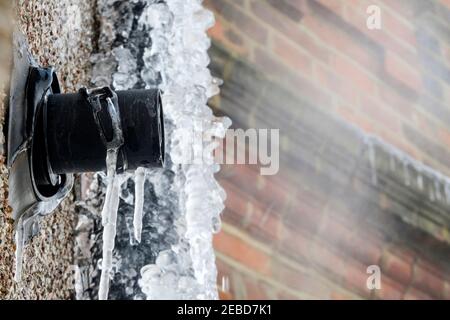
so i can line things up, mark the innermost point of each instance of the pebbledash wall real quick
(60, 34)
(313, 69)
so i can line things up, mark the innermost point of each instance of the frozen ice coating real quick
(109, 233)
(414, 172)
(28, 222)
(19, 251)
(111, 205)
(139, 182)
(163, 247)
(179, 53)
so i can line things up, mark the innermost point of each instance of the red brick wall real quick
(280, 239)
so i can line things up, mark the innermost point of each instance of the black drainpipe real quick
(53, 135)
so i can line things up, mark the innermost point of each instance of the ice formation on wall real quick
(27, 225)
(179, 53)
(165, 251)
(111, 205)
(415, 173)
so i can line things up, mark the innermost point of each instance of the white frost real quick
(109, 219)
(179, 54)
(19, 251)
(139, 182)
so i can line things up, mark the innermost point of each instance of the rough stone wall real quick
(60, 34)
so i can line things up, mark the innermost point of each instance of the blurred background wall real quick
(313, 69)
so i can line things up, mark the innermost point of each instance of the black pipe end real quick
(74, 138)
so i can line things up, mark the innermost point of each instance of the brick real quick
(396, 102)
(255, 290)
(225, 295)
(331, 263)
(241, 20)
(304, 215)
(402, 30)
(350, 72)
(234, 38)
(287, 9)
(295, 243)
(302, 282)
(415, 294)
(397, 267)
(283, 295)
(408, 8)
(350, 116)
(336, 6)
(435, 66)
(381, 114)
(297, 82)
(390, 289)
(444, 134)
(264, 188)
(291, 30)
(226, 37)
(427, 145)
(262, 222)
(236, 202)
(336, 84)
(292, 56)
(355, 278)
(337, 295)
(398, 69)
(426, 40)
(334, 231)
(428, 281)
(243, 252)
(365, 248)
(356, 16)
(334, 39)
(344, 37)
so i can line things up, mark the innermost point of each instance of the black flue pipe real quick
(73, 138)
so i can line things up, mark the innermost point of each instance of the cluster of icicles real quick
(179, 55)
(414, 173)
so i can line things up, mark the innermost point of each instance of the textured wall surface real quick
(60, 34)
(313, 69)
(5, 59)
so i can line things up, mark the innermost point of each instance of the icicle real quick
(111, 160)
(447, 190)
(431, 193)
(437, 188)
(406, 173)
(372, 160)
(109, 214)
(225, 284)
(139, 182)
(420, 181)
(111, 205)
(19, 250)
(392, 162)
